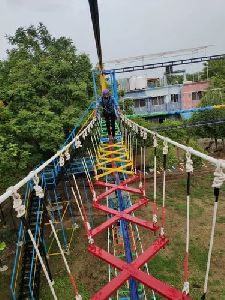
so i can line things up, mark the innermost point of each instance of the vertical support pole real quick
(114, 87)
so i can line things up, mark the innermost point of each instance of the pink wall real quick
(186, 93)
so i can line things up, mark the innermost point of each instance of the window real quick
(157, 100)
(142, 102)
(174, 98)
(197, 95)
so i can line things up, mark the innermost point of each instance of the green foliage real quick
(174, 79)
(2, 246)
(211, 97)
(172, 159)
(45, 86)
(126, 106)
(63, 289)
(180, 135)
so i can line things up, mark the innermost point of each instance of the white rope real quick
(183, 147)
(50, 283)
(90, 239)
(188, 224)
(210, 246)
(140, 183)
(136, 151)
(155, 144)
(92, 161)
(18, 204)
(165, 152)
(78, 205)
(219, 178)
(67, 154)
(63, 256)
(61, 160)
(21, 183)
(38, 189)
(165, 147)
(189, 162)
(186, 289)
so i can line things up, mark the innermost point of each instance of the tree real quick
(45, 86)
(214, 96)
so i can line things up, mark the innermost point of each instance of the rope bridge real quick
(113, 168)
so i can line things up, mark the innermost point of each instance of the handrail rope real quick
(86, 122)
(210, 159)
(31, 175)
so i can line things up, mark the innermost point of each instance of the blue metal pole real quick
(115, 87)
(128, 252)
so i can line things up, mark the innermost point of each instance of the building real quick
(192, 92)
(155, 96)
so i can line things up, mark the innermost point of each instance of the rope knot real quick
(38, 189)
(219, 177)
(189, 163)
(17, 203)
(186, 288)
(154, 219)
(67, 154)
(61, 160)
(165, 147)
(155, 142)
(78, 143)
(145, 135)
(137, 129)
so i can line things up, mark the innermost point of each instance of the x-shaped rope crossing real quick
(131, 270)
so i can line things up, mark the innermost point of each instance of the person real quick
(109, 107)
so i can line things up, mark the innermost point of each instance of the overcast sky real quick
(128, 27)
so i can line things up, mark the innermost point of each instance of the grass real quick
(91, 273)
(63, 289)
(168, 264)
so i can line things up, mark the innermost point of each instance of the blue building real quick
(156, 99)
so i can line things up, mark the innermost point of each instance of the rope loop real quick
(67, 154)
(78, 143)
(189, 162)
(155, 142)
(36, 179)
(38, 189)
(61, 160)
(186, 288)
(165, 147)
(219, 176)
(17, 202)
(137, 129)
(145, 135)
